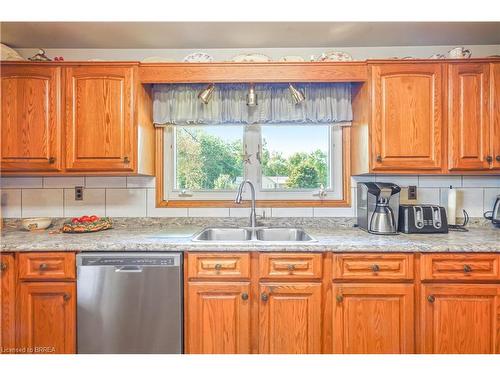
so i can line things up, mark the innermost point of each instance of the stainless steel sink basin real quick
(283, 234)
(223, 234)
(248, 234)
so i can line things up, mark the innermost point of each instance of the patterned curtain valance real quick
(325, 103)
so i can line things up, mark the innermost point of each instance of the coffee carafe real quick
(378, 207)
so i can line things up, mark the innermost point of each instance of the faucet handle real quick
(321, 194)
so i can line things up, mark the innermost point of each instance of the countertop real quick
(175, 236)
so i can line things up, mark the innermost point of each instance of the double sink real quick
(263, 234)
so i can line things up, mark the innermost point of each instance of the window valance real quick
(325, 103)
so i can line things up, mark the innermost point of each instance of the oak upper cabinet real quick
(218, 318)
(460, 318)
(469, 116)
(7, 303)
(373, 318)
(30, 120)
(47, 317)
(495, 114)
(290, 318)
(100, 129)
(406, 117)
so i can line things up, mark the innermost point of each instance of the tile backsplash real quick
(135, 197)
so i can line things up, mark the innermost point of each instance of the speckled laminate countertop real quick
(169, 236)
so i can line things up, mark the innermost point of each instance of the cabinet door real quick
(99, 119)
(468, 116)
(373, 318)
(290, 318)
(495, 114)
(218, 318)
(7, 303)
(460, 319)
(30, 120)
(407, 117)
(47, 317)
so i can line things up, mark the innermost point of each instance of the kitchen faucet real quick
(253, 215)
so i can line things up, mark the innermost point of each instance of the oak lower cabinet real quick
(290, 318)
(7, 303)
(373, 318)
(47, 317)
(495, 114)
(460, 318)
(218, 318)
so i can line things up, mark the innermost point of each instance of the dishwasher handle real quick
(129, 269)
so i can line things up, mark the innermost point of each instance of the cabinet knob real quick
(218, 267)
(431, 298)
(43, 266)
(375, 268)
(244, 296)
(498, 158)
(66, 296)
(3, 266)
(467, 268)
(126, 160)
(340, 298)
(379, 159)
(291, 267)
(52, 160)
(489, 158)
(264, 297)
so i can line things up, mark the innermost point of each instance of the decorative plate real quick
(102, 224)
(335, 56)
(198, 57)
(291, 59)
(251, 57)
(157, 59)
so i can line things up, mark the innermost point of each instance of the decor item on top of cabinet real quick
(9, 54)
(437, 56)
(251, 57)
(40, 56)
(459, 53)
(334, 56)
(291, 59)
(198, 57)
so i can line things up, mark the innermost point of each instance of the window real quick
(285, 162)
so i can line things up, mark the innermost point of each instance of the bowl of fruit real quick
(85, 224)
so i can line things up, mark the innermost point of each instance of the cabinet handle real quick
(467, 268)
(291, 267)
(264, 297)
(431, 298)
(375, 268)
(340, 298)
(3, 266)
(498, 158)
(66, 296)
(43, 266)
(489, 158)
(126, 160)
(218, 267)
(244, 296)
(52, 160)
(379, 159)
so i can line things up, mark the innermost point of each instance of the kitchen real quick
(235, 200)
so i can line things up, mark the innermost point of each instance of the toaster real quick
(422, 219)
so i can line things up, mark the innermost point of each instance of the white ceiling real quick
(176, 35)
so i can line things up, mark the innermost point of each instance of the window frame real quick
(163, 145)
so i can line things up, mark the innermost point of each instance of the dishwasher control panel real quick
(129, 261)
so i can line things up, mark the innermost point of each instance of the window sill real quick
(259, 203)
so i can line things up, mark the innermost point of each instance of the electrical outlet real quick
(412, 193)
(78, 193)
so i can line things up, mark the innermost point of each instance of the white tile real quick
(362, 178)
(140, 182)
(334, 211)
(153, 211)
(293, 212)
(11, 202)
(63, 182)
(469, 199)
(42, 202)
(126, 202)
(208, 212)
(481, 181)
(245, 212)
(440, 181)
(93, 203)
(105, 182)
(402, 181)
(424, 196)
(490, 196)
(21, 182)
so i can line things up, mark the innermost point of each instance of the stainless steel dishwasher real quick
(129, 303)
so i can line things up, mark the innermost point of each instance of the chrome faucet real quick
(253, 215)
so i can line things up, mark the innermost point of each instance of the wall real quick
(134, 196)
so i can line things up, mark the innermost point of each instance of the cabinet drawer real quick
(460, 267)
(290, 266)
(372, 267)
(219, 265)
(46, 266)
